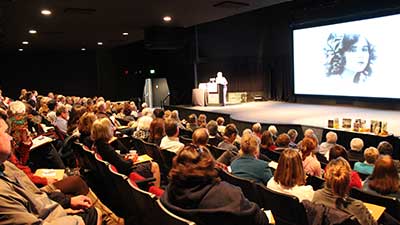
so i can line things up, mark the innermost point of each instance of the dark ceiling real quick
(82, 23)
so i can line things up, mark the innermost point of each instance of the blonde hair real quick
(371, 154)
(102, 130)
(17, 107)
(356, 144)
(249, 144)
(337, 176)
(85, 122)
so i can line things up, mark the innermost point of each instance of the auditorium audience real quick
(289, 177)
(62, 119)
(143, 127)
(282, 142)
(336, 190)
(256, 128)
(293, 136)
(384, 179)
(202, 121)
(310, 163)
(221, 126)
(385, 148)
(175, 116)
(192, 124)
(170, 142)
(247, 165)
(356, 153)
(274, 131)
(74, 116)
(371, 154)
(85, 126)
(196, 193)
(200, 138)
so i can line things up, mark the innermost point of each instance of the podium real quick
(209, 93)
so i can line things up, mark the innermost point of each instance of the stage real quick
(272, 112)
(302, 116)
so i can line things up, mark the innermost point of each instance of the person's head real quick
(200, 137)
(171, 128)
(50, 95)
(307, 146)
(266, 139)
(102, 130)
(331, 137)
(175, 115)
(52, 104)
(337, 176)
(230, 132)
(167, 114)
(17, 107)
(85, 122)
(309, 132)
(273, 130)
(212, 127)
(192, 119)
(157, 129)
(5, 141)
(384, 178)
(249, 144)
(351, 52)
(292, 135)
(385, 148)
(371, 154)
(76, 113)
(191, 166)
(101, 106)
(282, 140)
(246, 131)
(202, 120)
(338, 151)
(290, 172)
(356, 144)
(158, 113)
(144, 123)
(256, 128)
(62, 112)
(220, 121)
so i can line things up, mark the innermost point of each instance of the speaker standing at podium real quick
(222, 83)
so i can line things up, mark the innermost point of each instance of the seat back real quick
(315, 182)
(168, 156)
(85, 157)
(391, 204)
(215, 151)
(186, 133)
(153, 151)
(248, 186)
(287, 209)
(138, 145)
(166, 217)
(185, 140)
(363, 176)
(273, 155)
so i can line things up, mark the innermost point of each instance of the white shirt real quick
(305, 192)
(171, 144)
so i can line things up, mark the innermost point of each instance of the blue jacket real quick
(249, 167)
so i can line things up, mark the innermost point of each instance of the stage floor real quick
(272, 112)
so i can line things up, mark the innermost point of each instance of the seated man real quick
(213, 137)
(331, 139)
(171, 141)
(21, 202)
(356, 146)
(232, 151)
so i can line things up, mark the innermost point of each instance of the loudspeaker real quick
(164, 38)
(156, 92)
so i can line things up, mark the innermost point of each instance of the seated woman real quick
(289, 177)
(157, 131)
(102, 132)
(267, 142)
(85, 126)
(247, 165)
(335, 192)
(311, 164)
(337, 151)
(196, 193)
(384, 179)
(371, 154)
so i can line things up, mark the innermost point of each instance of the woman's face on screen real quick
(357, 57)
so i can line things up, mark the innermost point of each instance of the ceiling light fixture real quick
(25, 43)
(167, 19)
(21, 49)
(83, 49)
(99, 43)
(125, 33)
(45, 12)
(33, 31)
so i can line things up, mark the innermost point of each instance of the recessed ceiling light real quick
(32, 31)
(167, 18)
(83, 49)
(45, 12)
(25, 42)
(125, 33)
(21, 49)
(99, 43)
